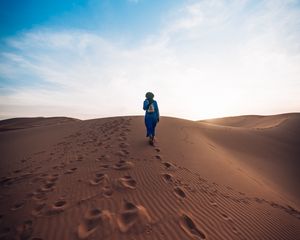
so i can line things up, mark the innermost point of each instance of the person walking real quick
(151, 116)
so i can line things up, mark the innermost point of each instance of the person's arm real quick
(146, 105)
(157, 111)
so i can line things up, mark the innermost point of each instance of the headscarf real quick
(150, 96)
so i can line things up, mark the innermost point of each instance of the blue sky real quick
(202, 59)
(111, 18)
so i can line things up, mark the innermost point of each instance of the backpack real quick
(151, 108)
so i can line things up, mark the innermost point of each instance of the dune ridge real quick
(22, 123)
(99, 179)
(253, 121)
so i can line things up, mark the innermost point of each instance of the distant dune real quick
(229, 178)
(254, 121)
(21, 123)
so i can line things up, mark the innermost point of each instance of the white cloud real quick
(212, 58)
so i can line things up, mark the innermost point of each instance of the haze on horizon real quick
(202, 59)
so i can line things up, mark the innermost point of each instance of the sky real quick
(97, 58)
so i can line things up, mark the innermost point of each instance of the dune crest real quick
(253, 121)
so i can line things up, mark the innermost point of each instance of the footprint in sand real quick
(18, 171)
(52, 178)
(60, 204)
(122, 153)
(123, 145)
(159, 157)
(121, 138)
(105, 157)
(167, 177)
(189, 227)
(96, 181)
(48, 186)
(179, 192)
(107, 191)
(70, 171)
(157, 149)
(56, 167)
(92, 221)
(38, 208)
(132, 216)
(123, 134)
(127, 182)
(104, 166)
(39, 195)
(6, 181)
(123, 165)
(169, 166)
(57, 207)
(99, 178)
(18, 205)
(259, 200)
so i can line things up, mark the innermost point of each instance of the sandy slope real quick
(99, 179)
(269, 145)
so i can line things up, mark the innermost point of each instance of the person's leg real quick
(150, 123)
(148, 126)
(151, 130)
(153, 127)
(152, 134)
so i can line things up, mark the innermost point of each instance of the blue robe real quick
(151, 118)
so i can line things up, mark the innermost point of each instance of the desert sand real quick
(229, 178)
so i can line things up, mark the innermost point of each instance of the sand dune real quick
(232, 178)
(254, 121)
(267, 144)
(21, 123)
